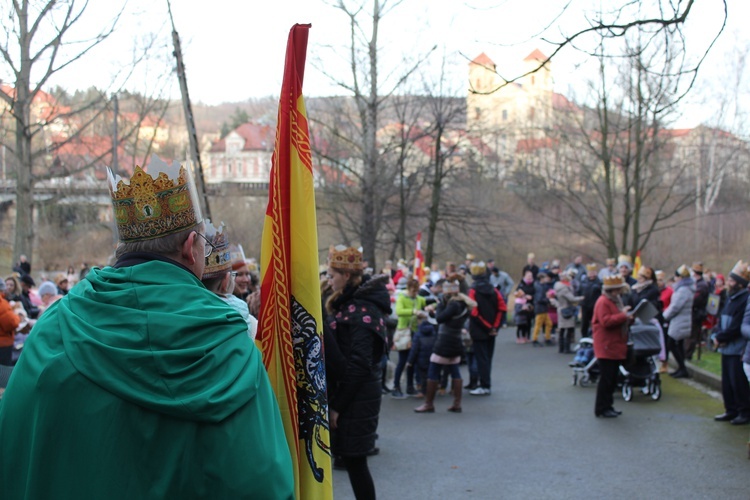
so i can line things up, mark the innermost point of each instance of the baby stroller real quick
(640, 370)
(585, 366)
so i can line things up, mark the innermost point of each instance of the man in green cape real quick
(141, 383)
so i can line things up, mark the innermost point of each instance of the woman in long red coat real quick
(610, 331)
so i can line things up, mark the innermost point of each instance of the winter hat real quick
(740, 273)
(25, 278)
(47, 288)
(625, 260)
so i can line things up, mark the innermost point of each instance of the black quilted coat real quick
(357, 326)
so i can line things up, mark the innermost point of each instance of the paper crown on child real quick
(613, 282)
(148, 207)
(740, 273)
(345, 258)
(220, 260)
(478, 268)
(591, 267)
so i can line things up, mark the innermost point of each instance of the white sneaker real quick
(480, 391)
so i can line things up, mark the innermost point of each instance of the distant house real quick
(243, 156)
(151, 129)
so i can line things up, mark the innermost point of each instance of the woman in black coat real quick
(356, 310)
(451, 314)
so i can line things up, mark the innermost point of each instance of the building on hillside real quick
(512, 118)
(46, 113)
(243, 156)
(151, 129)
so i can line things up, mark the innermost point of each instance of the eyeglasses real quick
(208, 248)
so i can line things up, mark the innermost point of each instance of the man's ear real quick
(187, 248)
(225, 281)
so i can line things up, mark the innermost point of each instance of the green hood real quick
(153, 335)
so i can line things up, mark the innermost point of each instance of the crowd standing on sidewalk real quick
(428, 329)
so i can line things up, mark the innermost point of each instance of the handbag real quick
(712, 306)
(402, 339)
(568, 312)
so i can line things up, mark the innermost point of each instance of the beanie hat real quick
(47, 288)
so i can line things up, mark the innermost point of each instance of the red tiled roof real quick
(536, 55)
(528, 145)
(257, 137)
(561, 102)
(483, 60)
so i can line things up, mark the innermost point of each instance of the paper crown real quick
(451, 287)
(478, 268)
(237, 256)
(697, 267)
(612, 282)
(345, 258)
(624, 258)
(591, 267)
(682, 271)
(740, 272)
(220, 260)
(147, 207)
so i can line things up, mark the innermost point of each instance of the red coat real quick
(610, 337)
(9, 321)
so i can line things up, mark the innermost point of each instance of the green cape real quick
(140, 383)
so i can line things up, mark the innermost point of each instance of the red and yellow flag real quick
(419, 260)
(637, 264)
(290, 324)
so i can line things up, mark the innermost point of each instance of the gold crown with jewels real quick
(148, 207)
(220, 260)
(345, 258)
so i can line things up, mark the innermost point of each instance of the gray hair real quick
(166, 245)
(214, 284)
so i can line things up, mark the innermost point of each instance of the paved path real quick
(536, 437)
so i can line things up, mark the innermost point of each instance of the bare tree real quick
(615, 174)
(651, 19)
(40, 41)
(369, 95)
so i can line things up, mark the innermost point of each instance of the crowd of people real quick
(123, 319)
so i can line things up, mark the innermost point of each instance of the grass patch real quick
(710, 361)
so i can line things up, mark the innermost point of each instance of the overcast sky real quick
(234, 49)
